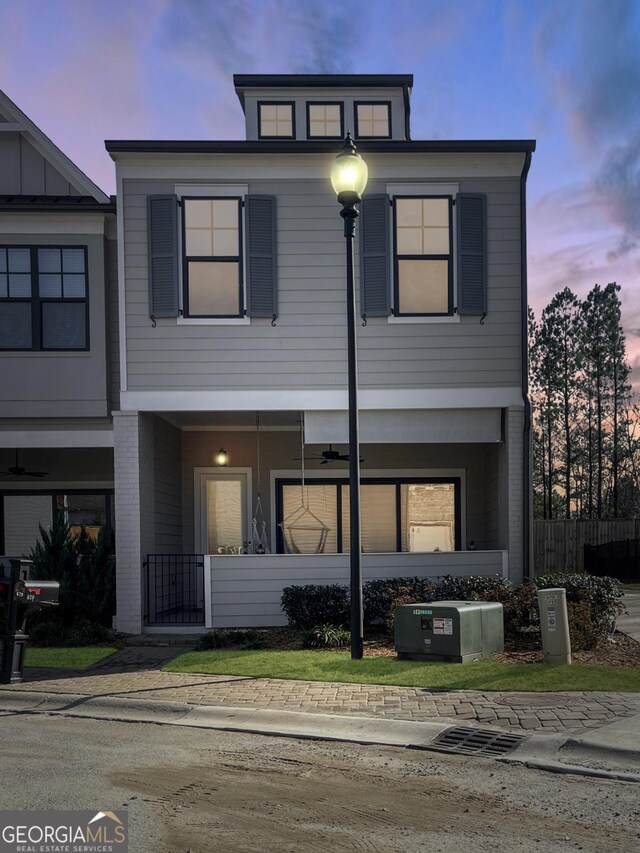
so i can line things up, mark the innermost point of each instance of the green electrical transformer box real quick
(457, 631)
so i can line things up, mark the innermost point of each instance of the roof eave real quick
(201, 146)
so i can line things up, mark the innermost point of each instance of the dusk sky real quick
(564, 72)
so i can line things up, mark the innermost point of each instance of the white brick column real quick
(134, 503)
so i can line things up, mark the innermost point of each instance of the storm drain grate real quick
(477, 741)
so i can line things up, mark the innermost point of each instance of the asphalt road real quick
(201, 791)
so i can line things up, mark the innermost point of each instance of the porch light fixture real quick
(221, 458)
(349, 178)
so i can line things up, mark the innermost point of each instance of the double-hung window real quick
(423, 255)
(407, 244)
(225, 243)
(212, 271)
(43, 298)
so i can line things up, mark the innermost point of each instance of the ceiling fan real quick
(18, 471)
(329, 455)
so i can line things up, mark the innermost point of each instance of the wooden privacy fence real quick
(558, 545)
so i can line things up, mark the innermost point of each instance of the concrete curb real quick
(536, 751)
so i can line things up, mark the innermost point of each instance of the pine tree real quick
(561, 333)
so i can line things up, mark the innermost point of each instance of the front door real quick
(222, 511)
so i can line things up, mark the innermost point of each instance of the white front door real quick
(222, 510)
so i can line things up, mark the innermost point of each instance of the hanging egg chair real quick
(302, 531)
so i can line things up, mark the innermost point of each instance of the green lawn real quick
(76, 657)
(338, 666)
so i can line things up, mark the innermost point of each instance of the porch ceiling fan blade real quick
(18, 471)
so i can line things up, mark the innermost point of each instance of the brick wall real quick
(133, 469)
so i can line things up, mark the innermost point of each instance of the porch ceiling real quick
(232, 420)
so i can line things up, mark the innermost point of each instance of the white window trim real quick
(211, 191)
(200, 477)
(424, 190)
(376, 473)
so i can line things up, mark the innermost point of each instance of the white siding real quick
(307, 348)
(246, 591)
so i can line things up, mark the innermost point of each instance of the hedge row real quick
(594, 603)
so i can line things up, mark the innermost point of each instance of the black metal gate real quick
(174, 589)
(619, 560)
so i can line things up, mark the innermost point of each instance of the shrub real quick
(247, 639)
(53, 632)
(602, 597)
(380, 596)
(582, 629)
(311, 605)
(325, 637)
(50, 632)
(84, 568)
(475, 588)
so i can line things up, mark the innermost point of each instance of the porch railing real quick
(174, 589)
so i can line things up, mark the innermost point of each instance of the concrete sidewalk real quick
(135, 673)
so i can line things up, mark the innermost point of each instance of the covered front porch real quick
(216, 544)
(240, 591)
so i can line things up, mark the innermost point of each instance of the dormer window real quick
(324, 120)
(276, 120)
(373, 119)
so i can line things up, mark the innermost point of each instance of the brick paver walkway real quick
(135, 673)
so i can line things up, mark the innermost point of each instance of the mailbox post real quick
(21, 598)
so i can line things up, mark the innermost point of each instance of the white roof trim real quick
(50, 151)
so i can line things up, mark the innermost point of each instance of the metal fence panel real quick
(174, 585)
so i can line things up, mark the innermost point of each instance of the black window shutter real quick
(262, 289)
(162, 238)
(471, 215)
(375, 287)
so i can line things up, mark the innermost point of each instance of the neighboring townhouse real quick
(59, 377)
(233, 333)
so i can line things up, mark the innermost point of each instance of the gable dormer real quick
(325, 106)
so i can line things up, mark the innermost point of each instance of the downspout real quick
(406, 94)
(526, 437)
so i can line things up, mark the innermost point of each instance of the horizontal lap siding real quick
(167, 447)
(307, 347)
(246, 591)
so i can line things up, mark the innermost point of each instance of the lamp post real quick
(349, 178)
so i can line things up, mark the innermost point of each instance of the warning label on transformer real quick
(442, 625)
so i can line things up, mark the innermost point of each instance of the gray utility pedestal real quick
(457, 631)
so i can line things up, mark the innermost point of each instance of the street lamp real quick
(349, 178)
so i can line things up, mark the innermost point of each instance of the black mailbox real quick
(21, 596)
(35, 592)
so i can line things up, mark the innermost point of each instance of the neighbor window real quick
(212, 250)
(275, 120)
(43, 298)
(324, 120)
(395, 515)
(423, 255)
(373, 120)
(22, 515)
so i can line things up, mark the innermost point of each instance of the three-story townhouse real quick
(233, 338)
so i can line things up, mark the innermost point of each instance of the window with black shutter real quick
(407, 255)
(212, 267)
